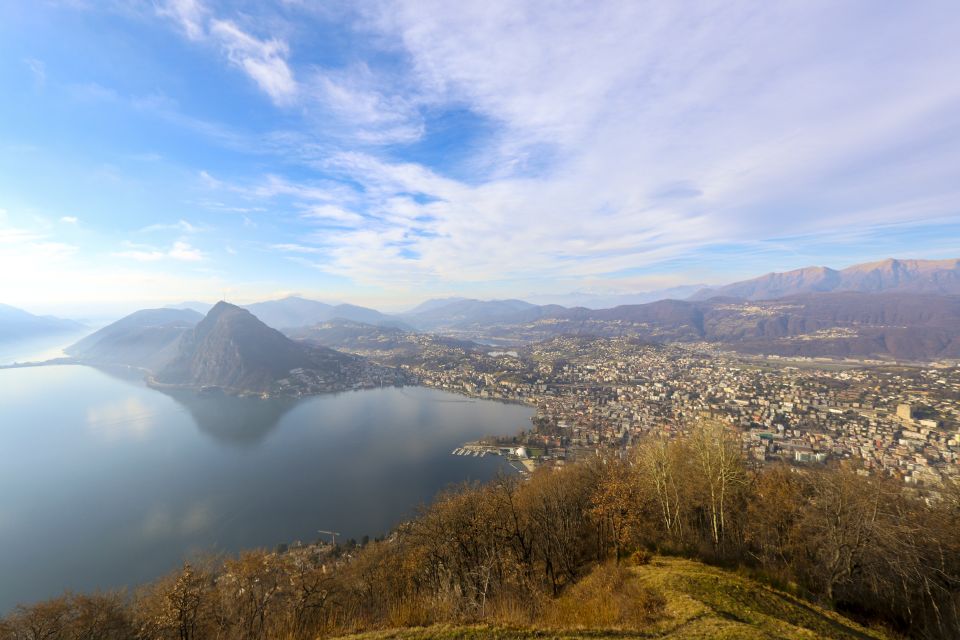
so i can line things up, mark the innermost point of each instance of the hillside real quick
(699, 602)
(230, 348)
(891, 275)
(147, 338)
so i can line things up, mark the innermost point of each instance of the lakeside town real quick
(607, 393)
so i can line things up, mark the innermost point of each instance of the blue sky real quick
(385, 152)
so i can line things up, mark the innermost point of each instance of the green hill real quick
(698, 601)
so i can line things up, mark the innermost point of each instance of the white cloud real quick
(180, 250)
(69, 219)
(38, 69)
(332, 213)
(183, 251)
(182, 226)
(263, 60)
(357, 102)
(189, 14)
(295, 248)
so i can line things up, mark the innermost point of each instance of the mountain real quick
(145, 339)
(461, 313)
(905, 326)
(434, 303)
(196, 305)
(608, 300)
(300, 312)
(886, 276)
(232, 349)
(17, 324)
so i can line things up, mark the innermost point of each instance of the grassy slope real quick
(702, 602)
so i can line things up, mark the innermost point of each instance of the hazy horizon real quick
(389, 152)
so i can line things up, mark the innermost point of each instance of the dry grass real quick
(609, 598)
(667, 598)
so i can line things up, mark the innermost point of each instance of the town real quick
(607, 393)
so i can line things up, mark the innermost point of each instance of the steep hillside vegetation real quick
(691, 600)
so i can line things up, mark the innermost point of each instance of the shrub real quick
(611, 596)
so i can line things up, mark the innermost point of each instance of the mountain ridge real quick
(884, 276)
(294, 311)
(18, 324)
(145, 339)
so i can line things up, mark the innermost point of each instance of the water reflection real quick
(127, 417)
(231, 420)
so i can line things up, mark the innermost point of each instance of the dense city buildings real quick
(593, 393)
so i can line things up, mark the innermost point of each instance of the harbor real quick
(517, 457)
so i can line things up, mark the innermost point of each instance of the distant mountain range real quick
(887, 276)
(899, 325)
(17, 324)
(294, 311)
(462, 312)
(608, 300)
(904, 309)
(298, 312)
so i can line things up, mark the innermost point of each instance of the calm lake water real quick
(105, 482)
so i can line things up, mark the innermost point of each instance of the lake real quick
(105, 482)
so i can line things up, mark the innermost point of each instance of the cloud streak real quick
(180, 250)
(263, 60)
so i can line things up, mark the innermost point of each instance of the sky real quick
(382, 153)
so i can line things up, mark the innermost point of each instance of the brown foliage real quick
(98, 616)
(609, 597)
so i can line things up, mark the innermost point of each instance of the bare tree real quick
(662, 464)
(720, 467)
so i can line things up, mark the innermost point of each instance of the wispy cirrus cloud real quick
(182, 226)
(263, 60)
